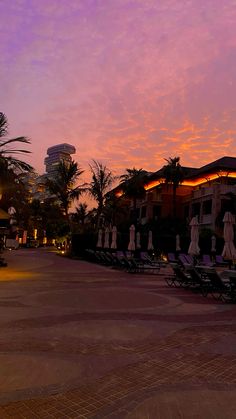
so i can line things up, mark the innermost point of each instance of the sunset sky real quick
(128, 82)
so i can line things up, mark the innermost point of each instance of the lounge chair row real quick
(206, 280)
(206, 260)
(125, 261)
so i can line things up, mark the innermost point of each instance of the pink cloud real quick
(128, 83)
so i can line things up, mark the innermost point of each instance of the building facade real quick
(205, 192)
(56, 154)
(36, 184)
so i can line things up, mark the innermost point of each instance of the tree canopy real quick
(102, 179)
(63, 185)
(173, 174)
(8, 150)
(132, 183)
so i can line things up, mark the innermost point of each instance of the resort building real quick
(207, 192)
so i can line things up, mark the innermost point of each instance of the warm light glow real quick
(119, 194)
(208, 178)
(13, 275)
(24, 238)
(193, 182)
(153, 184)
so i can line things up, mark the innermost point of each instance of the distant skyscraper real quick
(56, 154)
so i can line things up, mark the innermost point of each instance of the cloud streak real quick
(128, 83)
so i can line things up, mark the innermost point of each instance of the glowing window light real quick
(119, 194)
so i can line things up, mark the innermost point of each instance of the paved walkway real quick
(80, 340)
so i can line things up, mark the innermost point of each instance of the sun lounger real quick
(199, 282)
(179, 278)
(220, 261)
(171, 258)
(188, 278)
(206, 260)
(221, 289)
(137, 266)
(183, 260)
(145, 258)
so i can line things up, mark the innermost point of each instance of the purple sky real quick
(128, 82)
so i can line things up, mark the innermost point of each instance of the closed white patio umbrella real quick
(114, 238)
(194, 249)
(177, 243)
(229, 251)
(99, 242)
(213, 244)
(131, 245)
(150, 244)
(107, 238)
(138, 244)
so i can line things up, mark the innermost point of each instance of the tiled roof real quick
(224, 163)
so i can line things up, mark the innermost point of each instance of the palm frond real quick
(24, 140)
(19, 164)
(3, 124)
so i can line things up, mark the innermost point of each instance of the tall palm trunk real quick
(174, 201)
(99, 215)
(135, 210)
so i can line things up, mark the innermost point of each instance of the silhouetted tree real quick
(63, 185)
(132, 184)
(173, 174)
(102, 179)
(7, 149)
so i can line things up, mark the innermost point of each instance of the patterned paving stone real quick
(173, 350)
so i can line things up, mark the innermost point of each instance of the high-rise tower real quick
(56, 154)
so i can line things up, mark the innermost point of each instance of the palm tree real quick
(63, 185)
(132, 184)
(114, 209)
(80, 215)
(45, 216)
(102, 179)
(10, 166)
(14, 190)
(173, 174)
(7, 151)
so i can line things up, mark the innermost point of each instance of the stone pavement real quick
(80, 340)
